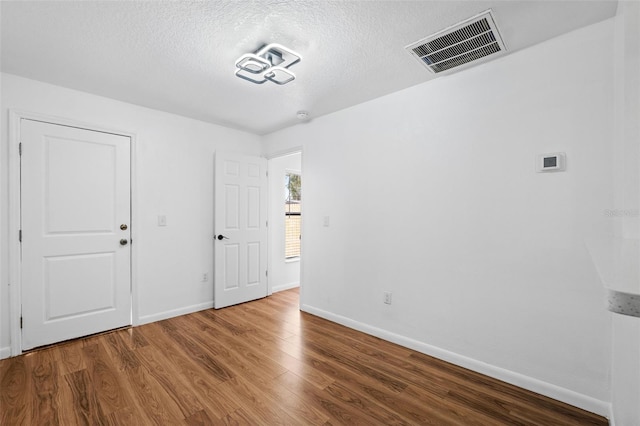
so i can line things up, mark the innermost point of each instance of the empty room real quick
(320, 212)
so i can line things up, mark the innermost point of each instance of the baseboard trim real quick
(5, 352)
(146, 319)
(284, 287)
(576, 399)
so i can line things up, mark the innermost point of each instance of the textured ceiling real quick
(179, 56)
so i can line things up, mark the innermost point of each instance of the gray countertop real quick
(624, 303)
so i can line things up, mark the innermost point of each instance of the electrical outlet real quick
(387, 297)
(205, 277)
(162, 220)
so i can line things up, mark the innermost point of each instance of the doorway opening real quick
(286, 185)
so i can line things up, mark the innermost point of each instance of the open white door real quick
(240, 224)
(75, 212)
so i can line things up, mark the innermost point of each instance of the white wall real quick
(283, 274)
(432, 195)
(174, 176)
(625, 380)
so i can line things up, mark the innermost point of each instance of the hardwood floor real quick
(260, 363)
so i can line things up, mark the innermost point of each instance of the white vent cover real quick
(472, 40)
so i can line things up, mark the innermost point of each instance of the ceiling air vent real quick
(474, 40)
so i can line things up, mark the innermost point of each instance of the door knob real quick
(222, 237)
(123, 226)
(124, 242)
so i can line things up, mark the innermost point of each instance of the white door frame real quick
(15, 278)
(270, 259)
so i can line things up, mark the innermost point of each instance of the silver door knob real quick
(123, 226)
(124, 242)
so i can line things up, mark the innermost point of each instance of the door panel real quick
(75, 190)
(67, 275)
(231, 270)
(240, 216)
(62, 186)
(253, 207)
(232, 207)
(253, 263)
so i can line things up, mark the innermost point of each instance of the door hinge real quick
(20, 149)
(266, 273)
(267, 173)
(267, 223)
(21, 322)
(20, 235)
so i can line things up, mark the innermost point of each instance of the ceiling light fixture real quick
(270, 62)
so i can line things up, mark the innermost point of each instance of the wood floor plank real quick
(366, 387)
(111, 393)
(125, 358)
(15, 391)
(237, 418)
(44, 375)
(201, 356)
(311, 322)
(489, 394)
(255, 403)
(276, 331)
(338, 411)
(266, 317)
(172, 382)
(433, 405)
(199, 418)
(235, 350)
(332, 355)
(133, 337)
(197, 378)
(260, 372)
(69, 357)
(64, 398)
(235, 328)
(259, 363)
(269, 346)
(85, 404)
(366, 406)
(469, 393)
(443, 386)
(151, 399)
(126, 416)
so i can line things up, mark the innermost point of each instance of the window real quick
(292, 215)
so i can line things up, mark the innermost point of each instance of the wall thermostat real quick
(552, 162)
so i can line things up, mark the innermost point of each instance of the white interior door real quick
(240, 224)
(75, 212)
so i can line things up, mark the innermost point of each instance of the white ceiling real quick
(179, 56)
